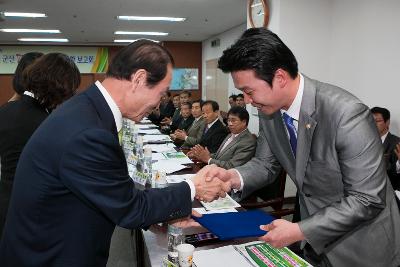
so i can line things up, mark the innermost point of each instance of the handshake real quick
(212, 182)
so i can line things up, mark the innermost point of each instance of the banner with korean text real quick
(88, 59)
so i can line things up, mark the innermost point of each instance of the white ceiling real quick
(94, 22)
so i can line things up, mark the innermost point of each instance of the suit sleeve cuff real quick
(192, 188)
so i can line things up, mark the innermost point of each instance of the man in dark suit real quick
(72, 185)
(237, 148)
(391, 147)
(193, 135)
(326, 140)
(169, 123)
(165, 110)
(214, 131)
(187, 118)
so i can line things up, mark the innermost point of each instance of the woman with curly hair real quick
(49, 81)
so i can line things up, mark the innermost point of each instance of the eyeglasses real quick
(233, 120)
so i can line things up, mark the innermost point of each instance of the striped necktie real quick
(292, 132)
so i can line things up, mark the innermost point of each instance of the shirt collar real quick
(236, 135)
(29, 94)
(383, 137)
(211, 124)
(113, 106)
(294, 109)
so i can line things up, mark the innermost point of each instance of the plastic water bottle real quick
(175, 237)
(147, 168)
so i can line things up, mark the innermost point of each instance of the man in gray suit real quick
(326, 140)
(193, 136)
(237, 148)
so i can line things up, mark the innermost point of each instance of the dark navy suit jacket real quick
(72, 187)
(213, 138)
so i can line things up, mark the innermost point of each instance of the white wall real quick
(353, 44)
(365, 58)
(226, 39)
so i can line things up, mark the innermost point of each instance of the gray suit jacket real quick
(237, 152)
(348, 208)
(194, 133)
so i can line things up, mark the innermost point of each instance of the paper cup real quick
(185, 254)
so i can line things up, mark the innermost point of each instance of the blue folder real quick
(234, 225)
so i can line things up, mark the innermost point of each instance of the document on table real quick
(149, 131)
(204, 211)
(177, 178)
(156, 137)
(252, 254)
(178, 157)
(161, 147)
(223, 256)
(167, 166)
(221, 203)
(157, 156)
(146, 126)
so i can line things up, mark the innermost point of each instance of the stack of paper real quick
(204, 211)
(177, 157)
(251, 254)
(165, 165)
(156, 138)
(223, 256)
(173, 179)
(146, 126)
(149, 131)
(221, 203)
(161, 147)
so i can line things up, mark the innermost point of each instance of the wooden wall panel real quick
(186, 55)
(6, 88)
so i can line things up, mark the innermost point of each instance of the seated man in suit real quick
(176, 115)
(187, 118)
(237, 148)
(172, 122)
(72, 184)
(391, 146)
(215, 131)
(165, 110)
(193, 135)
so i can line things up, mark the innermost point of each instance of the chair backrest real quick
(272, 195)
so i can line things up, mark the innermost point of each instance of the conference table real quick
(151, 244)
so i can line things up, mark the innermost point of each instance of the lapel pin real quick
(308, 126)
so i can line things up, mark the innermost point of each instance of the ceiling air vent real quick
(215, 43)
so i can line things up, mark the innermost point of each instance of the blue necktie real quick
(205, 130)
(292, 132)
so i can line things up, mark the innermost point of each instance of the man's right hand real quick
(212, 171)
(209, 188)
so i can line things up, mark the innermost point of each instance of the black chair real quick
(272, 195)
